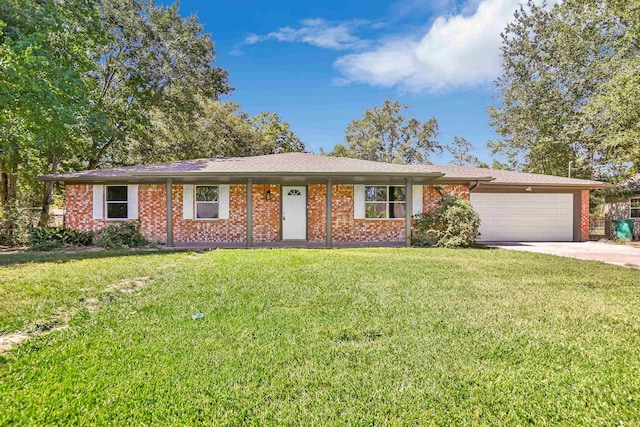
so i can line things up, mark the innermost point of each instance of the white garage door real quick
(524, 217)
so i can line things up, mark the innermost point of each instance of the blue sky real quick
(320, 64)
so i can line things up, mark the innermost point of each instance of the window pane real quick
(396, 210)
(116, 193)
(375, 210)
(635, 203)
(116, 210)
(396, 194)
(375, 194)
(635, 213)
(206, 210)
(207, 193)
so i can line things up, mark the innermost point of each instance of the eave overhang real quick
(256, 177)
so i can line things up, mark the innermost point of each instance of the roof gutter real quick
(474, 186)
(233, 175)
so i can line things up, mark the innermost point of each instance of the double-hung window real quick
(384, 201)
(635, 207)
(207, 203)
(117, 202)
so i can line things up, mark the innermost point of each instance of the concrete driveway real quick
(597, 251)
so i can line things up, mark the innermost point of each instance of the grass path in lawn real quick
(350, 337)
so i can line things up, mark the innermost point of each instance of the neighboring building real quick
(319, 200)
(624, 207)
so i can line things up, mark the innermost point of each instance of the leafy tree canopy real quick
(569, 89)
(385, 134)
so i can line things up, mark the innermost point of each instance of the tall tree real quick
(274, 135)
(215, 128)
(461, 151)
(43, 91)
(384, 134)
(152, 60)
(564, 73)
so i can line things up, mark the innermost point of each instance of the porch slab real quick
(284, 244)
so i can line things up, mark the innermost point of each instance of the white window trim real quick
(631, 208)
(106, 203)
(195, 202)
(387, 202)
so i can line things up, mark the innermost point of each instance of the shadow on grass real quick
(8, 259)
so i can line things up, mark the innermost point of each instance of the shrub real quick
(453, 224)
(121, 235)
(50, 238)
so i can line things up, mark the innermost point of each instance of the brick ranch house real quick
(317, 200)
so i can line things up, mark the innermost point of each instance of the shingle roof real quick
(305, 164)
(508, 177)
(285, 163)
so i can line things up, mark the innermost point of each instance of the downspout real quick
(474, 186)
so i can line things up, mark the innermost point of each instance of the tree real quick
(152, 60)
(384, 134)
(80, 80)
(42, 90)
(567, 75)
(274, 135)
(215, 128)
(461, 149)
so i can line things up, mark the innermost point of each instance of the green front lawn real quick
(319, 337)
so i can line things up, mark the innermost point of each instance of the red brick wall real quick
(152, 212)
(317, 212)
(152, 215)
(212, 230)
(584, 215)
(266, 219)
(266, 213)
(79, 208)
(347, 229)
(431, 197)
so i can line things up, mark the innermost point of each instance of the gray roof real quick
(510, 177)
(310, 165)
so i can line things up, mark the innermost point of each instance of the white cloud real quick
(317, 32)
(456, 51)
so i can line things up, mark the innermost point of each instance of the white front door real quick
(294, 213)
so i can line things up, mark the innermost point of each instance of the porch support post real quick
(169, 213)
(329, 214)
(408, 210)
(249, 212)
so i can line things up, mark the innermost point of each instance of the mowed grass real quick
(320, 337)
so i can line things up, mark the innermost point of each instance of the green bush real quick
(453, 224)
(50, 238)
(121, 235)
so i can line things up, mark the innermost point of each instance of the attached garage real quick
(509, 217)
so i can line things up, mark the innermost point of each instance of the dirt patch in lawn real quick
(130, 285)
(92, 304)
(8, 341)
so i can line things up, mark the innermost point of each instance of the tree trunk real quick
(95, 161)
(8, 213)
(4, 188)
(46, 196)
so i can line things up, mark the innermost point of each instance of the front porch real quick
(284, 244)
(327, 214)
